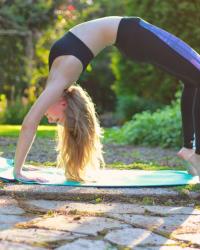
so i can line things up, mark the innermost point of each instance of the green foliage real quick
(16, 111)
(110, 76)
(148, 201)
(143, 80)
(128, 105)
(161, 128)
(13, 71)
(3, 105)
(22, 17)
(189, 187)
(42, 131)
(26, 14)
(98, 200)
(141, 166)
(13, 112)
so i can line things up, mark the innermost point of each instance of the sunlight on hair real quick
(79, 140)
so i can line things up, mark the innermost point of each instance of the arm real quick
(59, 79)
(31, 122)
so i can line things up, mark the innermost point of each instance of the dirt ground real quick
(44, 150)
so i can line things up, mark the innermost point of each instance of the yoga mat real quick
(106, 178)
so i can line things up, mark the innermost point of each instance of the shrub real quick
(129, 105)
(161, 128)
(16, 111)
(3, 105)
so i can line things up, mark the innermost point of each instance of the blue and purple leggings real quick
(159, 47)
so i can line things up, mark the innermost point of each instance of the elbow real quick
(28, 125)
(30, 122)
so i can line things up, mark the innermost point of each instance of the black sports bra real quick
(70, 44)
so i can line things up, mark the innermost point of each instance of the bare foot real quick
(185, 153)
(194, 161)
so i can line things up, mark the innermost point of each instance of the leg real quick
(197, 121)
(187, 106)
(168, 52)
(176, 57)
(194, 159)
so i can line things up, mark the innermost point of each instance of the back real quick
(98, 33)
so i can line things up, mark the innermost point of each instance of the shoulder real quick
(66, 66)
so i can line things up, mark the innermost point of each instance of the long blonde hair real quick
(79, 140)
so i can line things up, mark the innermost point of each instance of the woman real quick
(70, 55)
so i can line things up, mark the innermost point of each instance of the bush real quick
(16, 111)
(3, 105)
(129, 105)
(161, 128)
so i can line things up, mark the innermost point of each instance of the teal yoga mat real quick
(106, 178)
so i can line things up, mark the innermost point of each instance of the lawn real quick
(44, 131)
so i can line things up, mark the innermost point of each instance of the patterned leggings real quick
(144, 42)
(188, 72)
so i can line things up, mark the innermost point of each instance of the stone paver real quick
(84, 194)
(164, 248)
(136, 236)
(78, 224)
(6, 245)
(192, 237)
(84, 244)
(67, 206)
(122, 224)
(9, 205)
(166, 210)
(173, 224)
(32, 235)
(7, 221)
(106, 208)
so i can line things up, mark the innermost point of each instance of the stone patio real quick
(37, 222)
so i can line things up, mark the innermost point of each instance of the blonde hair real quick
(79, 140)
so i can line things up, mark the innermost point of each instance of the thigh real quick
(170, 53)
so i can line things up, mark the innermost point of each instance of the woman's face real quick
(55, 113)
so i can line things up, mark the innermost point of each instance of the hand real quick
(28, 178)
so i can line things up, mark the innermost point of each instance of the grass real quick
(44, 131)
(189, 187)
(141, 166)
(44, 164)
